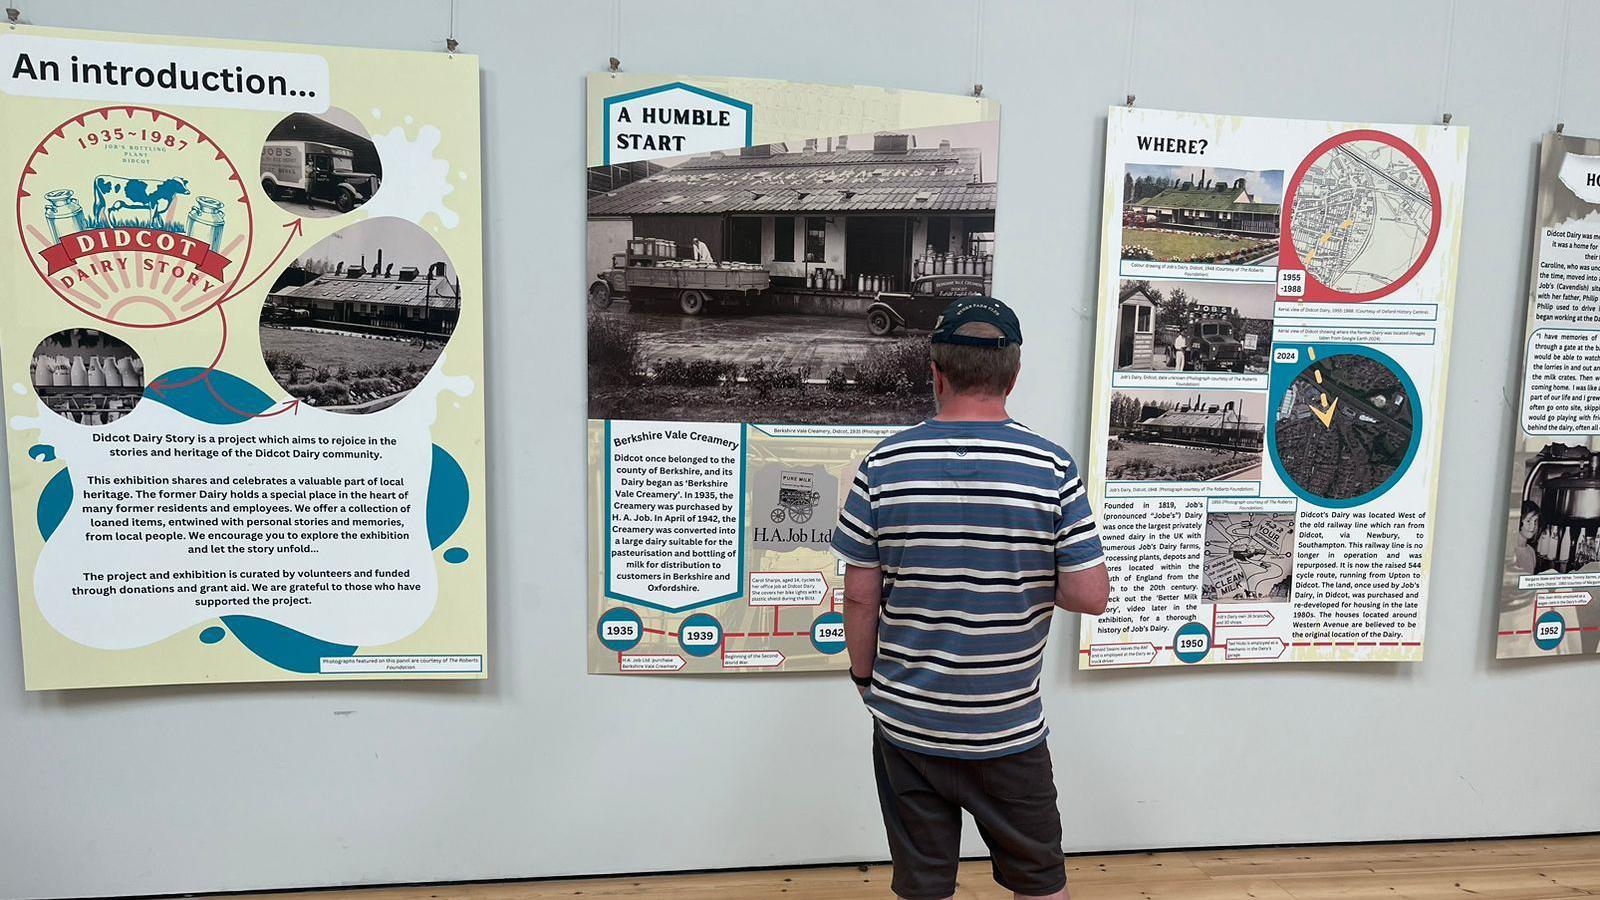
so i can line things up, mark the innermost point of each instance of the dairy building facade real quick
(830, 207)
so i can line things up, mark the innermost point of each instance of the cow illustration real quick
(113, 193)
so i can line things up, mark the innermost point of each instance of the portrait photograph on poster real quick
(791, 282)
(1185, 435)
(1198, 214)
(1194, 326)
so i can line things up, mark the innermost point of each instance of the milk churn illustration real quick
(205, 220)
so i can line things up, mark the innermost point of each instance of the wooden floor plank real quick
(1502, 869)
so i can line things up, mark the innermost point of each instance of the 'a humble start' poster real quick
(242, 347)
(764, 262)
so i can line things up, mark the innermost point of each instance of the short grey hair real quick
(975, 369)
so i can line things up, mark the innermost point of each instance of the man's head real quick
(977, 349)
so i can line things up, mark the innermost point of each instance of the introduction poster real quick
(1552, 558)
(242, 337)
(764, 261)
(1276, 298)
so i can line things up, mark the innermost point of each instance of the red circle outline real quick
(1286, 252)
(155, 115)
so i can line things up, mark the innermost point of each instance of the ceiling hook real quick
(1130, 101)
(616, 65)
(1446, 118)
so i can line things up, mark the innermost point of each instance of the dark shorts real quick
(1012, 798)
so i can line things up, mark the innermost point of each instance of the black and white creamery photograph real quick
(359, 320)
(794, 282)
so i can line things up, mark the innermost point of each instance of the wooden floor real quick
(1519, 869)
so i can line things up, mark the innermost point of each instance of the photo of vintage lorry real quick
(650, 270)
(313, 172)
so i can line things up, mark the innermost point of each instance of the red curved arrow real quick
(296, 228)
(161, 387)
(292, 405)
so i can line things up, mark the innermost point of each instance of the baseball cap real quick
(966, 310)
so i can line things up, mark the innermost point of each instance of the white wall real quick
(546, 771)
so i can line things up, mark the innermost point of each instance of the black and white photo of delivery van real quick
(320, 165)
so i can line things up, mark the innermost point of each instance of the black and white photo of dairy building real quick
(771, 257)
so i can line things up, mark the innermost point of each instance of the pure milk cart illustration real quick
(796, 500)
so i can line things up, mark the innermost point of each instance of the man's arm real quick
(863, 591)
(1082, 584)
(1083, 591)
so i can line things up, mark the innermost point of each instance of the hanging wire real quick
(1133, 36)
(614, 64)
(450, 43)
(977, 48)
(1561, 78)
(1449, 52)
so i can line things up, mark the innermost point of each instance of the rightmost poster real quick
(1552, 555)
(1275, 304)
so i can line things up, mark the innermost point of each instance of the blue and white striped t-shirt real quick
(970, 522)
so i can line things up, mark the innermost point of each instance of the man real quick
(961, 535)
(702, 253)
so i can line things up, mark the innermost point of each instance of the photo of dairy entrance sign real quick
(1552, 556)
(242, 351)
(1275, 305)
(765, 261)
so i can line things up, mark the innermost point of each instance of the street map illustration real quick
(1361, 216)
(1343, 427)
(1248, 557)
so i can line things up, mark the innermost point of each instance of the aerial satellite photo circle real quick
(1345, 427)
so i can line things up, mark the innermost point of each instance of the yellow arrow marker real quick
(1318, 374)
(1325, 415)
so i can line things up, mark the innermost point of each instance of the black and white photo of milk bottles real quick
(359, 319)
(320, 165)
(87, 376)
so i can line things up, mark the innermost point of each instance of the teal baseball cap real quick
(966, 310)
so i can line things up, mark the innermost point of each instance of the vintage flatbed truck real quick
(650, 270)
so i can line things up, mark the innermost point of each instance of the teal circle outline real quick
(1279, 386)
(619, 614)
(830, 618)
(1552, 643)
(1189, 628)
(700, 620)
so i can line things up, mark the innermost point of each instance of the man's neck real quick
(972, 408)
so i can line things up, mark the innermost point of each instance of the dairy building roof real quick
(1205, 198)
(919, 179)
(368, 289)
(1194, 418)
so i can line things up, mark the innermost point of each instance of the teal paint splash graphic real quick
(54, 501)
(214, 397)
(447, 497)
(283, 646)
(42, 452)
(455, 555)
(212, 635)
